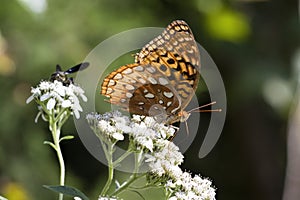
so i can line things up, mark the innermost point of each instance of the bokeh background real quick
(255, 44)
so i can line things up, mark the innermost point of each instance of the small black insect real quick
(61, 75)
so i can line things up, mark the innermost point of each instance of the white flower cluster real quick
(165, 160)
(143, 131)
(54, 96)
(164, 165)
(162, 156)
(110, 126)
(186, 187)
(147, 134)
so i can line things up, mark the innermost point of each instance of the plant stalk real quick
(108, 153)
(56, 136)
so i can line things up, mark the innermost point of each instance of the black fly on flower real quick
(61, 75)
(59, 95)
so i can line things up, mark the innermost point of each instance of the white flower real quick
(66, 103)
(122, 123)
(109, 126)
(149, 121)
(61, 90)
(55, 96)
(137, 118)
(45, 85)
(165, 160)
(188, 187)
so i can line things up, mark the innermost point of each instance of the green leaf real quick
(138, 193)
(67, 137)
(67, 190)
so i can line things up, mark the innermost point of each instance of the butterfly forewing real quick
(176, 38)
(183, 76)
(163, 78)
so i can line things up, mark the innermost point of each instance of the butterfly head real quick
(183, 116)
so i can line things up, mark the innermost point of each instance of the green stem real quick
(60, 116)
(44, 107)
(56, 136)
(109, 156)
(121, 158)
(133, 177)
(167, 194)
(144, 187)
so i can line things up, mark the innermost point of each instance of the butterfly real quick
(61, 75)
(162, 80)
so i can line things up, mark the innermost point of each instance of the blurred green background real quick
(254, 43)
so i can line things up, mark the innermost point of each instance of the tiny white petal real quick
(45, 96)
(76, 113)
(83, 97)
(77, 106)
(61, 91)
(66, 104)
(118, 136)
(29, 99)
(51, 103)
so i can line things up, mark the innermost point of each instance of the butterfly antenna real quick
(187, 128)
(198, 109)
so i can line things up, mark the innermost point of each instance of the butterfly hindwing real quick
(137, 87)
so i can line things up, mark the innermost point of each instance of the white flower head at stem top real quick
(143, 132)
(55, 98)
